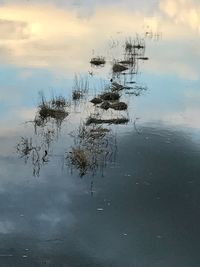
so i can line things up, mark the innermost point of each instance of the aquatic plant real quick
(110, 96)
(96, 100)
(54, 109)
(80, 87)
(119, 106)
(36, 153)
(97, 61)
(118, 67)
(93, 146)
(93, 120)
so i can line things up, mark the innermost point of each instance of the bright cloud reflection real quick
(40, 35)
(62, 39)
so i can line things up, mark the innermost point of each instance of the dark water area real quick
(143, 211)
(115, 181)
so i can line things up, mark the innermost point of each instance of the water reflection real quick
(144, 209)
(93, 145)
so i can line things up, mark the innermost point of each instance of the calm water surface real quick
(143, 208)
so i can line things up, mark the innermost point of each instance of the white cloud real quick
(186, 12)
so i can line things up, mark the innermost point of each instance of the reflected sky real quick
(43, 44)
(144, 211)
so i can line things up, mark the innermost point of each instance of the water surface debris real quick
(100, 209)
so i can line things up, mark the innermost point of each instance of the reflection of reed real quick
(93, 147)
(37, 154)
(80, 88)
(134, 49)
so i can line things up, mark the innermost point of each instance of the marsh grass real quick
(115, 87)
(93, 146)
(98, 61)
(35, 153)
(143, 58)
(135, 46)
(54, 109)
(110, 96)
(116, 105)
(93, 120)
(118, 68)
(96, 100)
(80, 88)
(119, 106)
(128, 61)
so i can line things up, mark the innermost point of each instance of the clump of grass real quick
(110, 96)
(48, 111)
(105, 105)
(52, 109)
(93, 120)
(97, 61)
(119, 106)
(76, 95)
(90, 134)
(80, 88)
(118, 67)
(128, 61)
(79, 159)
(92, 148)
(143, 58)
(128, 46)
(116, 87)
(58, 102)
(96, 100)
(134, 44)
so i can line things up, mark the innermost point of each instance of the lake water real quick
(137, 203)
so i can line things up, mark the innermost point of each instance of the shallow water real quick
(140, 208)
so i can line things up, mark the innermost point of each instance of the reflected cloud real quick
(6, 227)
(50, 36)
(13, 30)
(183, 11)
